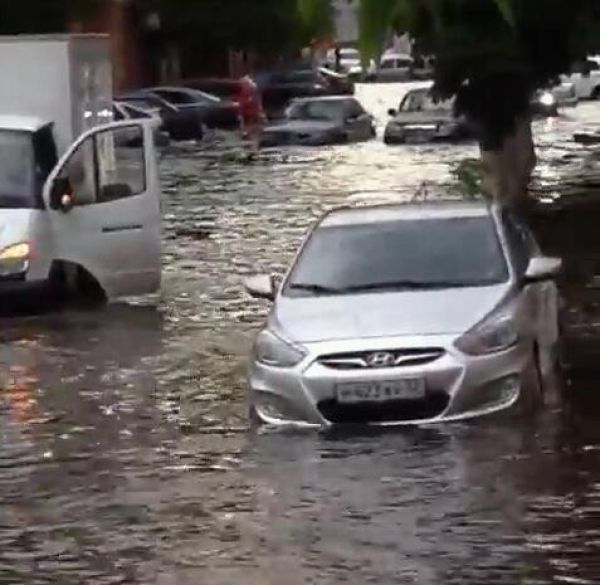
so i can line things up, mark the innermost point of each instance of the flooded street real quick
(124, 450)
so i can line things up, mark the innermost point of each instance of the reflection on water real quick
(124, 456)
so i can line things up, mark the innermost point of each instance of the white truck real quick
(78, 210)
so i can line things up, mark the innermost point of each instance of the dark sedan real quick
(321, 121)
(212, 112)
(278, 88)
(179, 123)
(421, 118)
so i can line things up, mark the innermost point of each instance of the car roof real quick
(23, 123)
(366, 214)
(325, 98)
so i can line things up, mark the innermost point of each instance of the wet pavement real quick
(124, 453)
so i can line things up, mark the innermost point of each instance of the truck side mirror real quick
(60, 195)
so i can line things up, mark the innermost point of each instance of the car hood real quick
(440, 312)
(303, 126)
(407, 118)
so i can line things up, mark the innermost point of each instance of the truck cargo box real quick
(63, 79)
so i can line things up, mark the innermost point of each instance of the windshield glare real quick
(17, 180)
(427, 253)
(325, 110)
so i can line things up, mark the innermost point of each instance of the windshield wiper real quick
(315, 288)
(409, 285)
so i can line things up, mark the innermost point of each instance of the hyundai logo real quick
(381, 359)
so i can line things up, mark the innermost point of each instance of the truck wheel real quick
(596, 93)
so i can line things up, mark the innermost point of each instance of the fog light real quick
(501, 392)
(275, 407)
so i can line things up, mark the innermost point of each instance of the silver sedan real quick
(404, 314)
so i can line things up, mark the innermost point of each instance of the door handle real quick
(122, 228)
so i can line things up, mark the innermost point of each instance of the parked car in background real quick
(338, 83)
(180, 124)
(422, 67)
(278, 88)
(420, 118)
(403, 314)
(394, 67)
(585, 76)
(565, 95)
(320, 121)
(350, 62)
(211, 111)
(123, 111)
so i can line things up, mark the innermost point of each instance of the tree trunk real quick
(507, 170)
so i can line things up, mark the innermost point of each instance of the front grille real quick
(394, 358)
(431, 406)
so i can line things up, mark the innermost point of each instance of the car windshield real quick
(400, 255)
(316, 110)
(17, 180)
(422, 101)
(141, 103)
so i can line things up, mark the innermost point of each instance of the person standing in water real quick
(251, 113)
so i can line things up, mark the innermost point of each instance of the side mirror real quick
(60, 195)
(542, 268)
(262, 286)
(393, 113)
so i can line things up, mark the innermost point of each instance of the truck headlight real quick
(14, 259)
(495, 333)
(271, 350)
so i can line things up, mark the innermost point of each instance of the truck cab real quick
(79, 193)
(88, 218)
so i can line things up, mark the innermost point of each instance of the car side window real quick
(107, 166)
(175, 97)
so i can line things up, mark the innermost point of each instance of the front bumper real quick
(395, 134)
(457, 386)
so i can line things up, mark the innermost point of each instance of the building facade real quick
(345, 20)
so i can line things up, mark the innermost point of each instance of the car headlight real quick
(272, 350)
(546, 99)
(494, 334)
(15, 252)
(14, 259)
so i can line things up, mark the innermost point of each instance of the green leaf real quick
(375, 18)
(506, 9)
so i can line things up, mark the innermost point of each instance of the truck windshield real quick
(17, 178)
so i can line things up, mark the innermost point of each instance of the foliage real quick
(468, 179)
(491, 54)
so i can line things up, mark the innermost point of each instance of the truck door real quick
(103, 200)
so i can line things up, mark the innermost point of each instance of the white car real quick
(351, 63)
(407, 314)
(394, 67)
(585, 77)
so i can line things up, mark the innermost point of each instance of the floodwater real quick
(124, 452)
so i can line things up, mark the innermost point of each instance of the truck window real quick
(108, 165)
(121, 163)
(17, 171)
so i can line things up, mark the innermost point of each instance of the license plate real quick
(418, 137)
(355, 392)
